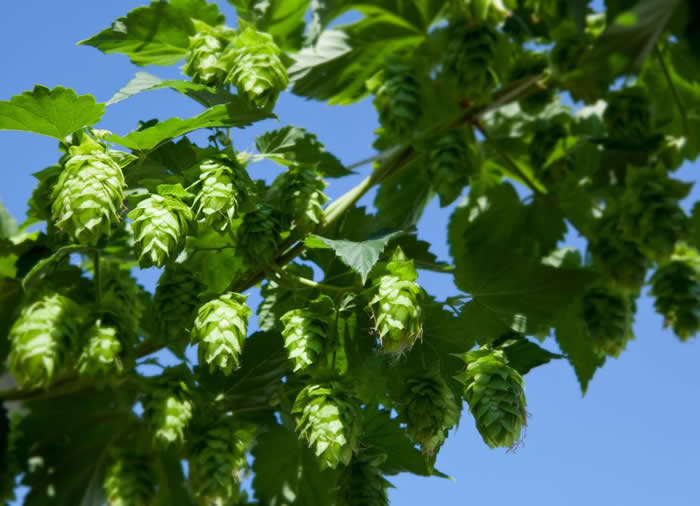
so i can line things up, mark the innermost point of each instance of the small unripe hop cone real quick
(168, 406)
(100, 356)
(129, 479)
(216, 201)
(362, 483)
(399, 100)
(608, 315)
(304, 335)
(203, 60)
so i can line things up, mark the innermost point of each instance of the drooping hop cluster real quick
(218, 461)
(160, 226)
(530, 64)
(496, 397)
(203, 60)
(88, 196)
(676, 288)
(304, 334)
(650, 213)
(299, 193)
(220, 329)
(168, 407)
(398, 100)
(362, 483)
(485, 11)
(452, 162)
(176, 299)
(608, 316)
(396, 306)
(129, 479)
(628, 116)
(100, 356)
(429, 409)
(256, 67)
(471, 57)
(259, 234)
(327, 418)
(123, 301)
(216, 200)
(42, 336)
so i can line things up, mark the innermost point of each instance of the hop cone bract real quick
(259, 234)
(88, 195)
(608, 316)
(160, 225)
(327, 418)
(299, 193)
(452, 162)
(627, 116)
(362, 483)
(304, 333)
(216, 200)
(220, 329)
(496, 397)
(175, 301)
(129, 480)
(168, 406)
(45, 332)
(398, 100)
(100, 356)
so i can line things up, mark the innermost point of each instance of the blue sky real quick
(633, 439)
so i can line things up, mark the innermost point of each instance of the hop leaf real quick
(218, 460)
(530, 64)
(88, 195)
(220, 329)
(42, 336)
(129, 480)
(175, 301)
(627, 116)
(362, 482)
(608, 316)
(451, 163)
(160, 225)
(259, 234)
(299, 192)
(256, 67)
(203, 59)
(304, 332)
(429, 409)
(676, 287)
(494, 392)
(327, 418)
(398, 100)
(397, 305)
(168, 406)
(216, 200)
(100, 356)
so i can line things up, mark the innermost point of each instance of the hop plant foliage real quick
(327, 418)
(299, 193)
(305, 331)
(168, 407)
(257, 69)
(216, 200)
(220, 329)
(453, 161)
(129, 479)
(398, 99)
(628, 115)
(397, 305)
(88, 195)
(608, 316)
(100, 356)
(362, 482)
(159, 227)
(45, 333)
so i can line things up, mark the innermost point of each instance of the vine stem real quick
(309, 282)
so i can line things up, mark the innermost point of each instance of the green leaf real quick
(413, 184)
(359, 256)
(157, 34)
(524, 355)
(143, 81)
(8, 225)
(56, 113)
(238, 113)
(283, 19)
(292, 145)
(42, 266)
(277, 300)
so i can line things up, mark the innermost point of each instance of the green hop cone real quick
(396, 306)
(299, 193)
(203, 59)
(485, 11)
(398, 100)
(256, 67)
(100, 356)
(496, 397)
(259, 234)
(160, 226)
(650, 213)
(176, 299)
(546, 135)
(362, 482)
(429, 409)
(168, 406)
(129, 479)
(218, 460)
(305, 331)
(608, 316)
(41, 338)
(123, 301)
(88, 195)
(676, 289)
(220, 329)
(530, 64)
(327, 418)
(216, 200)
(628, 115)
(452, 161)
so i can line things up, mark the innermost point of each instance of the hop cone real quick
(257, 69)
(650, 211)
(216, 200)
(494, 392)
(160, 225)
(430, 410)
(627, 116)
(259, 234)
(398, 100)
(530, 64)
(676, 288)
(327, 418)
(218, 460)
(452, 161)
(489, 11)
(100, 356)
(44, 333)
(220, 329)
(175, 301)
(362, 483)
(471, 56)
(608, 316)
(123, 300)
(168, 407)
(397, 305)
(544, 140)
(203, 60)
(569, 50)
(299, 192)
(304, 333)
(88, 195)
(129, 479)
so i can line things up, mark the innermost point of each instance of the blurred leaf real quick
(524, 355)
(283, 19)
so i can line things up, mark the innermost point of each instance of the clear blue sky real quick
(633, 440)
